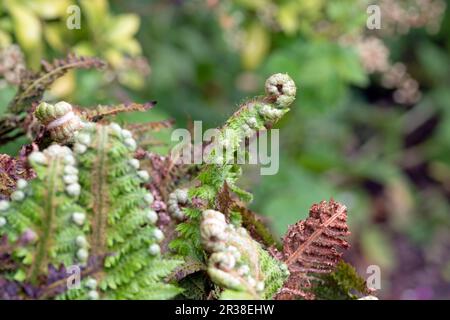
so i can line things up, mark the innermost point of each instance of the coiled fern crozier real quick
(232, 247)
(93, 210)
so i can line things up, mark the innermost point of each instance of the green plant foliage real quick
(85, 27)
(237, 262)
(89, 209)
(252, 116)
(341, 284)
(42, 213)
(354, 138)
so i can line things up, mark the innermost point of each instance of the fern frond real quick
(154, 126)
(11, 170)
(237, 262)
(121, 228)
(33, 84)
(313, 246)
(252, 116)
(42, 212)
(102, 111)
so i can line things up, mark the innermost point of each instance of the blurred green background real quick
(370, 126)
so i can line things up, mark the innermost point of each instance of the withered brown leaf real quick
(312, 246)
(12, 169)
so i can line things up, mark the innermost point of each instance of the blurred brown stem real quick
(8, 124)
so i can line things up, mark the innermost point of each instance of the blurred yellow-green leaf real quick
(84, 48)
(288, 17)
(29, 35)
(96, 13)
(122, 27)
(255, 46)
(64, 86)
(54, 35)
(5, 39)
(129, 46)
(49, 9)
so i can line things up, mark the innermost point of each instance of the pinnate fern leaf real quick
(313, 246)
(33, 84)
(87, 208)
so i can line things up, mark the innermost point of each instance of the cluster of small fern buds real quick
(236, 261)
(229, 246)
(177, 198)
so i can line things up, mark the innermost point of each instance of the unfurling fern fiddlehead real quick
(87, 208)
(265, 275)
(237, 262)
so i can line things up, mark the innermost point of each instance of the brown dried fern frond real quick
(144, 132)
(101, 111)
(33, 84)
(166, 176)
(313, 246)
(11, 170)
(31, 88)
